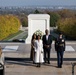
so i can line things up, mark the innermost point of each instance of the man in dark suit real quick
(47, 41)
(60, 48)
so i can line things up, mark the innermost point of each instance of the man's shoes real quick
(48, 62)
(45, 62)
(59, 66)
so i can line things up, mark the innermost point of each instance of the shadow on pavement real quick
(28, 62)
(19, 61)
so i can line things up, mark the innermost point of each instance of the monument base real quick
(37, 22)
(28, 40)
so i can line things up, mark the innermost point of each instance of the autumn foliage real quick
(9, 24)
(68, 27)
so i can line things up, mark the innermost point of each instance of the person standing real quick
(32, 54)
(1, 62)
(1, 57)
(47, 41)
(38, 51)
(60, 48)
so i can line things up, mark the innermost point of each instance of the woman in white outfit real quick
(1, 57)
(38, 51)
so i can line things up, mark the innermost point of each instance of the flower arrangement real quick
(38, 32)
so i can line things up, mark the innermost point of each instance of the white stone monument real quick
(37, 22)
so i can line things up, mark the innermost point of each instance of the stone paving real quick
(30, 69)
(18, 62)
(21, 65)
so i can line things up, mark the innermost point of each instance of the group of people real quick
(41, 48)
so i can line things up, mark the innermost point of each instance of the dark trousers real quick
(2, 71)
(60, 58)
(47, 55)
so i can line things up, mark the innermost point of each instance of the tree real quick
(68, 27)
(65, 13)
(9, 24)
(24, 22)
(36, 12)
(54, 17)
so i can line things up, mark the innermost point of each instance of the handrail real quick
(73, 65)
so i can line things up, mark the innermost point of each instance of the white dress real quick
(39, 51)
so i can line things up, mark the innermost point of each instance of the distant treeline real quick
(64, 19)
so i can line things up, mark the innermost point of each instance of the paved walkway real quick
(18, 62)
(27, 68)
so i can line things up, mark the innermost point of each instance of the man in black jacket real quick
(47, 41)
(60, 48)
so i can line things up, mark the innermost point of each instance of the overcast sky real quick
(36, 2)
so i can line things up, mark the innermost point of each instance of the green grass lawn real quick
(12, 35)
(24, 37)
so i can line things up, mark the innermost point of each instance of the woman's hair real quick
(37, 37)
(33, 37)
